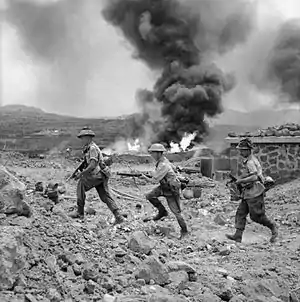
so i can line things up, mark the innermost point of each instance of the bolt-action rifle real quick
(80, 168)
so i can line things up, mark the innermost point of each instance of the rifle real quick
(138, 174)
(188, 170)
(233, 179)
(80, 167)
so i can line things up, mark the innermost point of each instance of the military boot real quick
(79, 213)
(162, 212)
(274, 231)
(118, 217)
(237, 236)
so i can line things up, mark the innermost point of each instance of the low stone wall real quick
(280, 158)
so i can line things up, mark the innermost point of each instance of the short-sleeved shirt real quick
(94, 152)
(251, 166)
(165, 173)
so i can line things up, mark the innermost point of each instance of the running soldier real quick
(253, 193)
(95, 174)
(169, 187)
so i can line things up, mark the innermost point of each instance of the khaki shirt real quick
(252, 166)
(94, 152)
(165, 173)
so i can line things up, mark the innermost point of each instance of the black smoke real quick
(284, 62)
(178, 38)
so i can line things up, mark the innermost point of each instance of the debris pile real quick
(289, 129)
(49, 257)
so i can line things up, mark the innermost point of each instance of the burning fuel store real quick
(277, 148)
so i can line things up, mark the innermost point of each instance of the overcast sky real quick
(116, 76)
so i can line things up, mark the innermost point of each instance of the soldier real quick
(169, 187)
(95, 175)
(253, 192)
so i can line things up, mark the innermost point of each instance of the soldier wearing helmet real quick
(165, 174)
(253, 192)
(95, 175)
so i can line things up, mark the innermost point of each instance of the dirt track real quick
(251, 271)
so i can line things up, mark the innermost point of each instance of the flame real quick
(184, 143)
(134, 146)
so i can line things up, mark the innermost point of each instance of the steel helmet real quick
(86, 132)
(245, 144)
(157, 148)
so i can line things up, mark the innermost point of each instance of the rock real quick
(175, 266)
(90, 287)
(109, 298)
(139, 242)
(76, 269)
(153, 269)
(119, 252)
(158, 297)
(89, 272)
(178, 278)
(21, 221)
(266, 288)
(59, 211)
(12, 192)
(220, 220)
(53, 295)
(108, 283)
(90, 211)
(12, 256)
(79, 259)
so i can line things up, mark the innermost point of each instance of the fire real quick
(184, 143)
(134, 146)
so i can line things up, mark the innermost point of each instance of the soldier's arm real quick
(160, 172)
(251, 176)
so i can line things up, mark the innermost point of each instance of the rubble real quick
(289, 129)
(12, 256)
(65, 260)
(12, 195)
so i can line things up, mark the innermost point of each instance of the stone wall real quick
(280, 160)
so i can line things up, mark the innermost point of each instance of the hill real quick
(23, 127)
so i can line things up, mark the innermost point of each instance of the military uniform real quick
(169, 188)
(252, 200)
(98, 179)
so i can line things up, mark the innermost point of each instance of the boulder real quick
(153, 269)
(266, 289)
(12, 256)
(12, 193)
(139, 242)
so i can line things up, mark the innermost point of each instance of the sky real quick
(115, 75)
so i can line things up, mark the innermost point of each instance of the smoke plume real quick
(283, 66)
(180, 40)
(62, 56)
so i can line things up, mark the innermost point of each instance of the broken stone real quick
(90, 211)
(220, 220)
(109, 298)
(175, 266)
(12, 256)
(266, 288)
(119, 252)
(53, 295)
(79, 259)
(76, 269)
(159, 297)
(178, 278)
(107, 283)
(12, 192)
(90, 287)
(139, 242)
(89, 273)
(153, 269)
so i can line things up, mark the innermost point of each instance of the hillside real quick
(31, 128)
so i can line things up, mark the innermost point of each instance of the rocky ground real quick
(50, 257)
